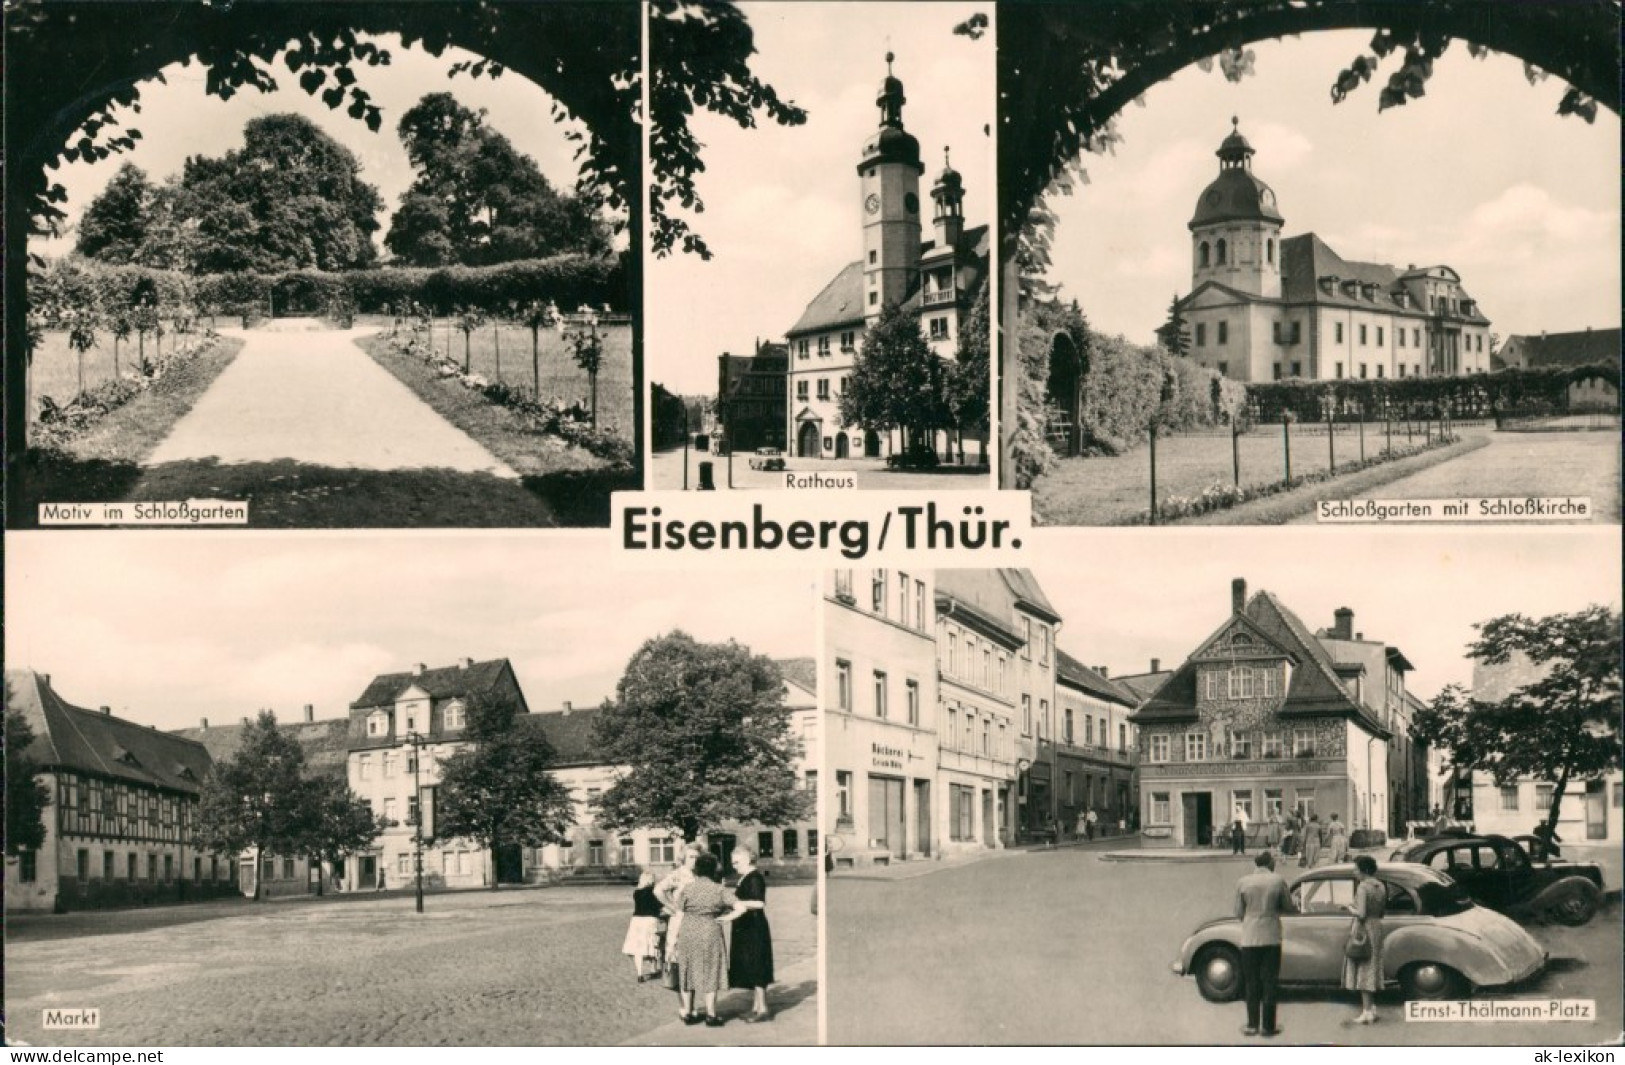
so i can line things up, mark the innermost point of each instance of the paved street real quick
(666, 473)
(1519, 465)
(313, 396)
(1059, 946)
(516, 967)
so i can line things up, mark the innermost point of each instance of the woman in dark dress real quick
(750, 960)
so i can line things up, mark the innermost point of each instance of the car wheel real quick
(1218, 973)
(1431, 980)
(1574, 911)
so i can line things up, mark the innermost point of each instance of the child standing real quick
(643, 934)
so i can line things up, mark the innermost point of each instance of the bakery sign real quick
(883, 757)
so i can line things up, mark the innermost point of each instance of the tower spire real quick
(891, 99)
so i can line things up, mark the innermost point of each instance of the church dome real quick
(949, 178)
(890, 144)
(1236, 195)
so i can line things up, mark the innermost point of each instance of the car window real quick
(1400, 900)
(1512, 858)
(1324, 896)
(1450, 859)
(1485, 856)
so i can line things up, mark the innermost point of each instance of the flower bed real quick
(570, 420)
(1222, 496)
(59, 423)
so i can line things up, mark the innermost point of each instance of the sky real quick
(178, 119)
(1480, 174)
(782, 212)
(1126, 597)
(169, 629)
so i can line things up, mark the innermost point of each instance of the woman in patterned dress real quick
(750, 961)
(1370, 903)
(702, 952)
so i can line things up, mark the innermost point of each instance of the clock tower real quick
(1236, 230)
(889, 182)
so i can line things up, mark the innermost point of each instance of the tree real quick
(26, 797)
(1562, 725)
(114, 226)
(476, 200)
(970, 377)
(1174, 335)
(897, 381)
(499, 791)
(470, 320)
(587, 349)
(704, 737)
(538, 315)
(332, 822)
(256, 798)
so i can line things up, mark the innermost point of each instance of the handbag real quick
(1358, 947)
(669, 977)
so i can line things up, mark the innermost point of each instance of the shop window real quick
(1161, 808)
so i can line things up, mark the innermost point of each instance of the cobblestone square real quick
(515, 967)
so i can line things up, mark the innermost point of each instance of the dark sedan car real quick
(1439, 944)
(1499, 873)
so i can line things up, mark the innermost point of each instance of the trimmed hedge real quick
(1468, 396)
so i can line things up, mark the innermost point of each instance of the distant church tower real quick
(890, 179)
(1236, 230)
(948, 194)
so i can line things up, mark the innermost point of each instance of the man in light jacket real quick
(1261, 898)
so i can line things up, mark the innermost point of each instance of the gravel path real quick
(313, 396)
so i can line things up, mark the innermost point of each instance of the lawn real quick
(55, 368)
(561, 378)
(1112, 490)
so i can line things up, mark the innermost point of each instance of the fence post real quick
(1331, 439)
(1362, 437)
(1286, 441)
(1387, 432)
(1235, 449)
(1153, 473)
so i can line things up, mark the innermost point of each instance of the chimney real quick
(1156, 665)
(566, 706)
(205, 723)
(1343, 628)
(417, 670)
(310, 712)
(465, 663)
(107, 711)
(1102, 670)
(1238, 595)
(46, 677)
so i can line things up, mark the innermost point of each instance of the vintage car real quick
(1439, 944)
(767, 458)
(1500, 873)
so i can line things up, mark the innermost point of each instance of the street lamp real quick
(416, 740)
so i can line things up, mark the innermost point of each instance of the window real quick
(880, 694)
(872, 254)
(1043, 719)
(595, 852)
(843, 684)
(902, 598)
(1202, 254)
(1362, 334)
(1026, 714)
(1337, 332)
(1159, 746)
(1224, 333)
(843, 584)
(1275, 372)
(389, 764)
(987, 737)
(1161, 808)
(874, 298)
(1000, 689)
(1543, 796)
(913, 692)
(1340, 371)
(1379, 336)
(1325, 896)
(792, 842)
(823, 347)
(1241, 803)
(129, 867)
(823, 388)
(152, 866)
(802, 347)
(662, 850)
(1066, 727)
(939, 328)
(952, 735)
(801, 389)
(1241, 745)
(1201, 334)
(1269, 250)
(1362, 371)
(1219, 252)
(411, 809)
(454, 715)
(953, 653)
(1043, 645)
(1297, 369)
(1272, 802)
(1303, 743)
(390, 809)
(1241, 683)
(1399, 336)
(919, 605)
(378, 723)
(107, 865)
(843, 794)
(625, 851)
(764, 844)
(1379, 371)
(849, 339)
(287, 868)
(1509, 798)
(1067, 790)
(1122, 737)
(961, 812)
(1195, 746)
(403, 864)
(877, 592)
(1416, 338)
(364, 767)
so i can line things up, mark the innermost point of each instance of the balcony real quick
(939, 298)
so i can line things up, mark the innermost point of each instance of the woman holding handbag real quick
(1362, 955)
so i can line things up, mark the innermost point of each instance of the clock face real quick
(871, 203)
(911, 203)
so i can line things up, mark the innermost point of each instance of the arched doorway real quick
(871, 444)
(843, 447)
(1064, 393)
(807, 441)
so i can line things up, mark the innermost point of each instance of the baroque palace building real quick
(1264, 717)
(938, 277)
(1263, 307)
